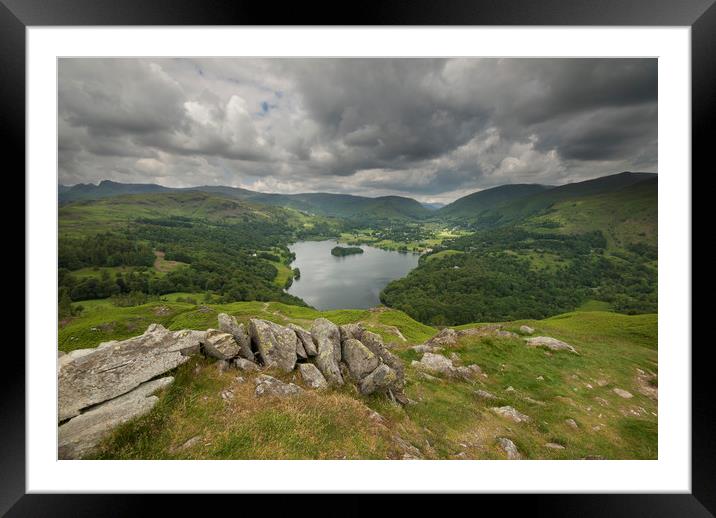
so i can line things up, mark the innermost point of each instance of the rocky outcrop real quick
(220, 345)
(276, 344)
(245, 365)
(270, 386)
(327, 338)
(115, 368)
(305, 338)
(439, 364)
(511, 414)
(510, 448)
(311, 376)
(81, 434)
(106, 386)
(375, 344)
(359, 359)
(449, 337)
(526, 330)
(550, 343)
(381, 379)
(622, 393)
(228, 324)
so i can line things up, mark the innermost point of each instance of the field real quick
(447, 418)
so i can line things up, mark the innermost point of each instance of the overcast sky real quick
(432, 129)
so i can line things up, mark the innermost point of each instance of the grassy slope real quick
(448, 420)
(624, 217)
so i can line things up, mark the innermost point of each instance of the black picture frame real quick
(700, 15)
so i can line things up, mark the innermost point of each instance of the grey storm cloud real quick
(434, 129)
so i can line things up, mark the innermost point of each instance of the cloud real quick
(434, 129)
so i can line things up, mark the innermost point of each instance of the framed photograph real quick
(455, 243)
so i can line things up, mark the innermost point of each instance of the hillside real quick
(479, 205)
(143, 245)
(599, 403)
(595, 240)
(509, 204)
(325, 204)
(105, 189)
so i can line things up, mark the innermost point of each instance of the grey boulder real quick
(509, 447)
(220, 345)
(270, 386)
(115, 368)
(327, 338)
(276, 344)
(311, 376)
(354, 331)
(245, 365)
(305, 339)
(550, 343)
(381, 379)
(81, 434)
(511, 413)
(228, 324)
(359, 359)
(435, 364)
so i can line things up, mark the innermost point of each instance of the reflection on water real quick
(353, 281)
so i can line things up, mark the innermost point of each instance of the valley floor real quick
(575, 403)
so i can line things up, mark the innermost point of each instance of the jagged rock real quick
(410, 452)
(510, 448)
(469, 371)
(327, 338)
(359, 359)
(81, 434)
(300, 350)
(117, 367)
(375, 343)
(623, 393)
(511, 413)
(527, 330)
(445, 338)
(270, 386)
(228, 324)
(571, 423)
(436, 364)
(305, 339)
(382, 378)
(276, 344)
(550, 343)
(354, 331)
(312, 376)
(220, 345)
(485, 394)
(245, 365)
(427, 377)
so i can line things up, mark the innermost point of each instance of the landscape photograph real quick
(357, 258)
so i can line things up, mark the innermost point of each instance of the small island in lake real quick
(340, 251)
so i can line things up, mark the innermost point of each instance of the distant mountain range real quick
(488, 207)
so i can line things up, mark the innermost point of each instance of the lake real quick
(350, 282)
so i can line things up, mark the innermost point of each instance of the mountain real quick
(513, 203)
(477, 203)
(592, 242)
(105, 189)
(433, 206)
(323, 204)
